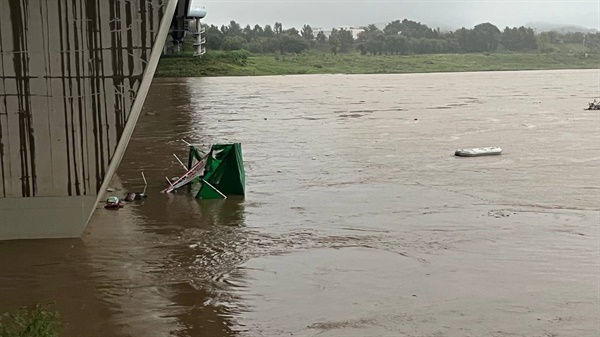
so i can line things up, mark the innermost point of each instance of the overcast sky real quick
(442, 13)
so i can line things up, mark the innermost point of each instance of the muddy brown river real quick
(358, 219)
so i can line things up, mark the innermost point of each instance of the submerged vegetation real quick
(37, 322)
(400, 47)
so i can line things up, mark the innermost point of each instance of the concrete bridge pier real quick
(73, 79)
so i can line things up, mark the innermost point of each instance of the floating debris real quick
(220, 172)
(113, 203)
(498, 214)
(131, 196)
(595, 105)
(478, 151)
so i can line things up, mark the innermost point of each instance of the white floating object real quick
(478, 151)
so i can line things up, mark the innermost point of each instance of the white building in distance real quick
(353, 29)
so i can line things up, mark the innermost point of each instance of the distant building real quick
(317, 30)
(354, 30)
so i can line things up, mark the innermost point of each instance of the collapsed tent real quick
(224, 172)
(194, 171)
(220, 172)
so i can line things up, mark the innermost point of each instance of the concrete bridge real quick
(73, 78)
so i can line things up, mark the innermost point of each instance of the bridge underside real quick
(73, 78)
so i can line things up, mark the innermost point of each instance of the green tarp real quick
(197, 155)
(209, 192)
(224, 172)
(194, 154)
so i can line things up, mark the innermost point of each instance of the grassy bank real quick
(39, 321)
(240, 63)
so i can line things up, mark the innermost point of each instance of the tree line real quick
(397, 37)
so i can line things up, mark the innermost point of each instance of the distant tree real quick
(372, 29)
(292, 31)
(486, 37)
(371, 40)
(415, 30)
(574, 37)
(543, 43)
(334, 41)
(291, 44)
(396, 44)
(465, 40)
(452, 45)
(398, 37)
(278, 28)
(257, 31)
(307, 33)
(248, 33)
(553, 37)
(268, 31)
(264, 45)
(510, 39)
(270, 44)
(234, 29)
(592, 41)
(346, 40)
(482, 38)
(321, 37)
(442, 46)
(393, 28)
(518, 39)
(427, 46)
(434, 34)
(256, 46)
(214, 38)
(527, 39)
(234, 43)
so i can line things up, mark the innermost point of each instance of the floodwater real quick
(358, 219)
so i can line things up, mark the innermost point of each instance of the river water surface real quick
(358, 219)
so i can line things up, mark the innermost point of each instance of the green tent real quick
(194, 154)
(224, 172)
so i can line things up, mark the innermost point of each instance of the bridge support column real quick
(74, 75)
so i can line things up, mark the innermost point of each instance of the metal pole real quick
(180, 162)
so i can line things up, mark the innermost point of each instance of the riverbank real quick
(241, 63)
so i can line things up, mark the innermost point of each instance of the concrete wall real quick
(70, 72)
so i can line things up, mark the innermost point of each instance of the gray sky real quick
(443, 13)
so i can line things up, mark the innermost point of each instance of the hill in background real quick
(560, 28)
